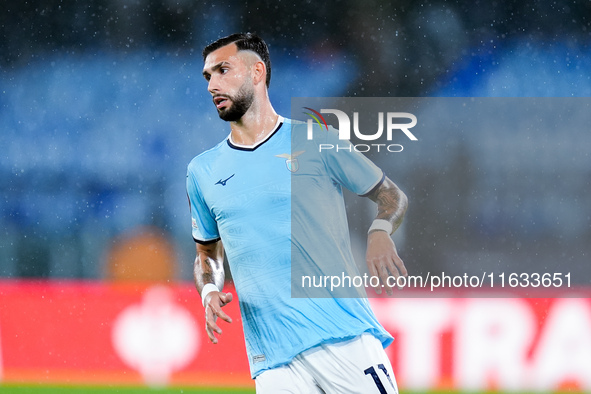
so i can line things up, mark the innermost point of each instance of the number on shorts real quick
(372, 371)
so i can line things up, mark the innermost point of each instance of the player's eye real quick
(223, 70)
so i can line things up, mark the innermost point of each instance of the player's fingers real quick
(210, 325)
(398, 269)
(394, 275)
(215, 304)
(226, 298)
(221, 314)
(374, 273)
(401, 267)
(384, 275)
(211, 319)
(397, 263)
(210, 334)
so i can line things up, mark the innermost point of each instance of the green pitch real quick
(22, 389)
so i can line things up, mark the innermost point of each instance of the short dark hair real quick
(244, 42)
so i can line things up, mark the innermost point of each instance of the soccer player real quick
(242, 204)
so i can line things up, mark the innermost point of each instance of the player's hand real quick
(383, 260)
(213, 309)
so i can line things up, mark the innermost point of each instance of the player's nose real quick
(213, 85)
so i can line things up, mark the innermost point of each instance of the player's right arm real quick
(208, 271)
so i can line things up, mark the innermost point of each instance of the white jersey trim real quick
(280, 120)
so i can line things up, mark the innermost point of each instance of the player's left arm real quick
(382, 256)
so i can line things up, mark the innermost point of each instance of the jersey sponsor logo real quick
(223, 181)
(291, 160)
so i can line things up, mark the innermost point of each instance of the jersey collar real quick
(234, 145)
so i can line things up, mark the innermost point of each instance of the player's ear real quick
(259, 72)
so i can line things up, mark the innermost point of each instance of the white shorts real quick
(358, 365)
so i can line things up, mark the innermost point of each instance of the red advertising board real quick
(94, 332)
(86, 332)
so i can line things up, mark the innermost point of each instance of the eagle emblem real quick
(291, 160)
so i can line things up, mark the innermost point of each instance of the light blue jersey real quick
(243, 196)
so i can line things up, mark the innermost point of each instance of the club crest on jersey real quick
(291, 160)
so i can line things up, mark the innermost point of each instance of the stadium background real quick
(102, 105)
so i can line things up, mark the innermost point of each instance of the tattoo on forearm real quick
(208, 270)
(392, 203)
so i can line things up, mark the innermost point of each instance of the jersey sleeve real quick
(349, 167)
(203, 225)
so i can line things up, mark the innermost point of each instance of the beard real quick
(241, 102)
